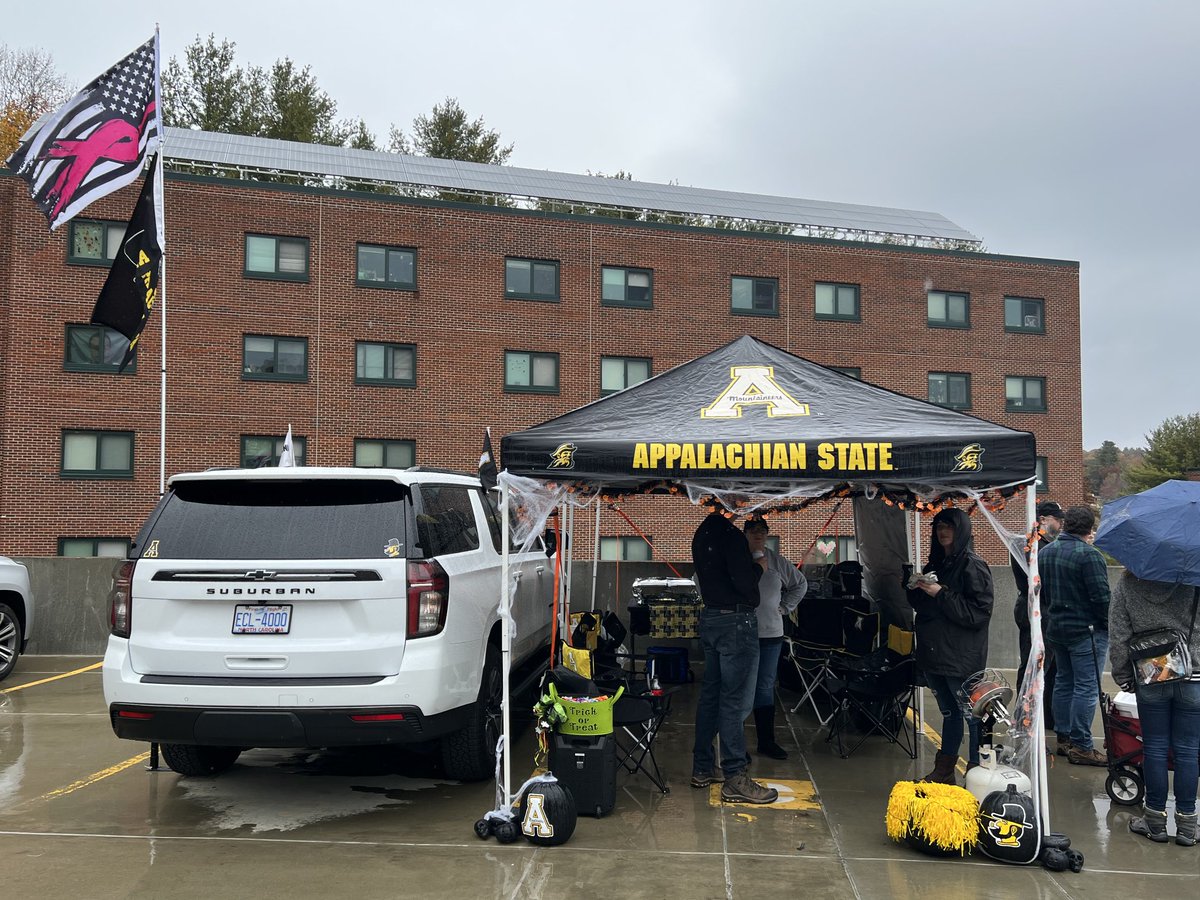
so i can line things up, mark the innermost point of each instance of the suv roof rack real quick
(440, 471)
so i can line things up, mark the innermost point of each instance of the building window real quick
(95, 348)
(852, 371)
(952, 389)
(266, 358)
(949, 310)
(626, 287)
(1024, 394)
(1043, 475)
(97, 454)
(93, 243)
(276, 257)
(624, 548)
(834, 548)
(531, 279)
(535, 373)
(388, 454)
(1024, 314)
(109, 547)
(263, 450)
(620, 372)
(388, 267)
(837, 301)
(754, 296)
(385, 363)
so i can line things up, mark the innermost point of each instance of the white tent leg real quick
(1037, 642)
(596, 554)
(505, 644)
(570, 561)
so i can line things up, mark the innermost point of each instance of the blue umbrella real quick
(1156, 534)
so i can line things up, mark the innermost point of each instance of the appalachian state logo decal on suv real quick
(563, 456)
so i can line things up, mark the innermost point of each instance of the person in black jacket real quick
(952, 631)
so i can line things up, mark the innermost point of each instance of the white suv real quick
(16, 613)
(318, 607)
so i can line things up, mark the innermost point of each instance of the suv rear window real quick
(445, 520)
(335, 519)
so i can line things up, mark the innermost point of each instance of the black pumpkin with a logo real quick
(1010, 829)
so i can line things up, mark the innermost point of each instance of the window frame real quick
(625, 302)
(97, 368)
(958, 326)
(849, 371)
(105, 261)
(385, 284)
(626, 360)
(1024, 329)
(275, 376)
(299, 448)
(96, 474)
(533, 389)
(556, 297)
(386, 382)
(836, 316)
(966, 376)
(385, 443)
(1042, 482)
(276, 275)
(1023, 408)
(624, 541)
(62, 540)
(754, 279)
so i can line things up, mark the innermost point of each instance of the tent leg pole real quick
(505, 646)
(596, 553)
(1037, 651)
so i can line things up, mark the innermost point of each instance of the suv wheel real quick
(470, 754)
(10, 639)
(189, 759)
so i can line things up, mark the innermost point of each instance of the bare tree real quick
(30, 85)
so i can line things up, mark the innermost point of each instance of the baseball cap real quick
(757, 522)
(1049, 508)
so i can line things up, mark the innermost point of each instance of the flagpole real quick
(162, 312)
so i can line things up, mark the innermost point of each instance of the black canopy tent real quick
(760, 427)
(750, 412)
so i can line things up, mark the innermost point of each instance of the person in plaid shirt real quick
(1075, 584)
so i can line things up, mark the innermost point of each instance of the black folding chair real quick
(637, 718)
(879, 692)
(827, 632)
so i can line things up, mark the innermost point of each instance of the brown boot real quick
(943, 769)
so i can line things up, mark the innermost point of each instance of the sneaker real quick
(741, 788)
(1064, 745)
(704, 779)
(1077, 756)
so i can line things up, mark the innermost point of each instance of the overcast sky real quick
(1066, 129)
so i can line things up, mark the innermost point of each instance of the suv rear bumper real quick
(250, 727)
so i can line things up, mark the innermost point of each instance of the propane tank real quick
(992, 775)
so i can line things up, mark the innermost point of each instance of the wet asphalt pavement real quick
(80, 817)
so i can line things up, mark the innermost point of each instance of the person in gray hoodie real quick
(1169, 712)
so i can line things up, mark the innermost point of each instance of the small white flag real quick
(288, 456)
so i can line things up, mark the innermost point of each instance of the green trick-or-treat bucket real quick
(586, 716)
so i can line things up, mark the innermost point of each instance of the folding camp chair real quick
(636, 721)
(827, 630)
(878, 690)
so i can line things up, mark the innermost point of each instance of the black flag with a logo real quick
(131, 289)
(487, 462)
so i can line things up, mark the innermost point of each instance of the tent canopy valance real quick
(750, 414)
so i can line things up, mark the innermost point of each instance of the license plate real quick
(262, 619)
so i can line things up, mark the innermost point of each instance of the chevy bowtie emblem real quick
(969, 459)
(260, 575)
(563, 457)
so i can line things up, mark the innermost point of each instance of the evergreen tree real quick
(1174, 448)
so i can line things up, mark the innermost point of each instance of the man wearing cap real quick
(780, 590)
(1050, 523)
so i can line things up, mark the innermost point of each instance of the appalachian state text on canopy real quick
(768, 456)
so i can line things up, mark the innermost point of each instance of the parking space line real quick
(98, 776)
(21, 687)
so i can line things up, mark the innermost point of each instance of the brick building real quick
(327, 289)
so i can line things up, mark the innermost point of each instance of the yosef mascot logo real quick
(969, 459)
(1007, 829)
(563, 457)
(753, 385)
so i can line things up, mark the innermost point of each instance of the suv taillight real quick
(121, 600)
(428, 594)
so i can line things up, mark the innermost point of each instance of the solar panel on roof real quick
(239, 151)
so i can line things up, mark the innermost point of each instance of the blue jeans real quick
(1170, 715)
(945, 690)
(768, 671)
(1077, 687)
(730, 644)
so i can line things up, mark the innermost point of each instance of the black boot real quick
(764, 724)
